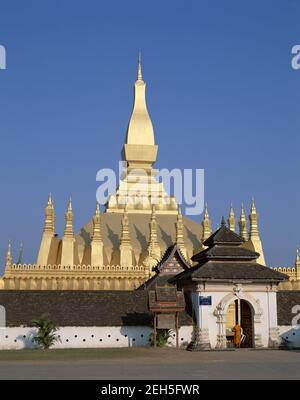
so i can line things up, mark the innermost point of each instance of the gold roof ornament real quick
(243, 224)
(206, 224)
(231, 219)
(8, 263)
(254, 236)
(69, 221)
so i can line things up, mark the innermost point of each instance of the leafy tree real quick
(46, 336)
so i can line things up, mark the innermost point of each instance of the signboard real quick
(205, 300)
(166, 321)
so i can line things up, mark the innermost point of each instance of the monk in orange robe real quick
(237, 335)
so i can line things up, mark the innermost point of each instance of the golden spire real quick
(206, 224)
(97, 243)
(254, 234)
(153, 246)
(50, 201)
(231, 219)
(139, 148)
(8, 263)
(297, 263)
(140, 75)
(153, 227)
(125, 235)
(97, 235)
(69, 221)
(125, 243)
(253, 217)
(49, 217)
(20, 256)
(180, 233)
(243, 224)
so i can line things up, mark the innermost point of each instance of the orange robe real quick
(237, 335)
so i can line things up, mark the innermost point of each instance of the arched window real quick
(2, 317)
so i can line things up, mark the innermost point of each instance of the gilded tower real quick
(254, 234)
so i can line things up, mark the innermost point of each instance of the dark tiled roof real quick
(286, 300)
(225, 236)
(161, 278)
(169, 253)
(227, 259)
(230, 271)
(80, 308)
(226, 252)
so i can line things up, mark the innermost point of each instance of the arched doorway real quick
(240, 312)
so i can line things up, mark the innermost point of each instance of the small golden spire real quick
(8, 263)
(253, 208)
(243, 224)
(70, 207)
(297, 263)
(140, 75)
(97, 235)
(49, 226)
(231, 219)
(180, 234)
(206, 224)
(50, 201)
(69, 221)
(253, 217)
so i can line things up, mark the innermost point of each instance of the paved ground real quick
(164, 364)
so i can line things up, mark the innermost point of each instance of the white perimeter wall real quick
(89, 337)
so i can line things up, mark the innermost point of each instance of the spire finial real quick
(231, 218)
(206, 211)
(253, 208)
(97, 208)
(297, 253)
(70, 208)
(140, 75)
(8, 256)
(223, 223)
(50, 201)
(20, 257)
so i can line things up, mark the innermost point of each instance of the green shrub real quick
(162, 337)
(46, 336)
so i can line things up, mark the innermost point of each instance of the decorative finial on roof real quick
(243, 215)
(20, 257)
(223, 223)
(253, 208)
(206, 211)
(50, 201)
(140, 75)
(70, 208)
(243, 224)
(297, 253)
(8, 256)
(97, 208)
(231, 219)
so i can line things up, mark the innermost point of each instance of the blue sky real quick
(220, 89)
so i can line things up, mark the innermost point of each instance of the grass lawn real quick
(75, 354)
